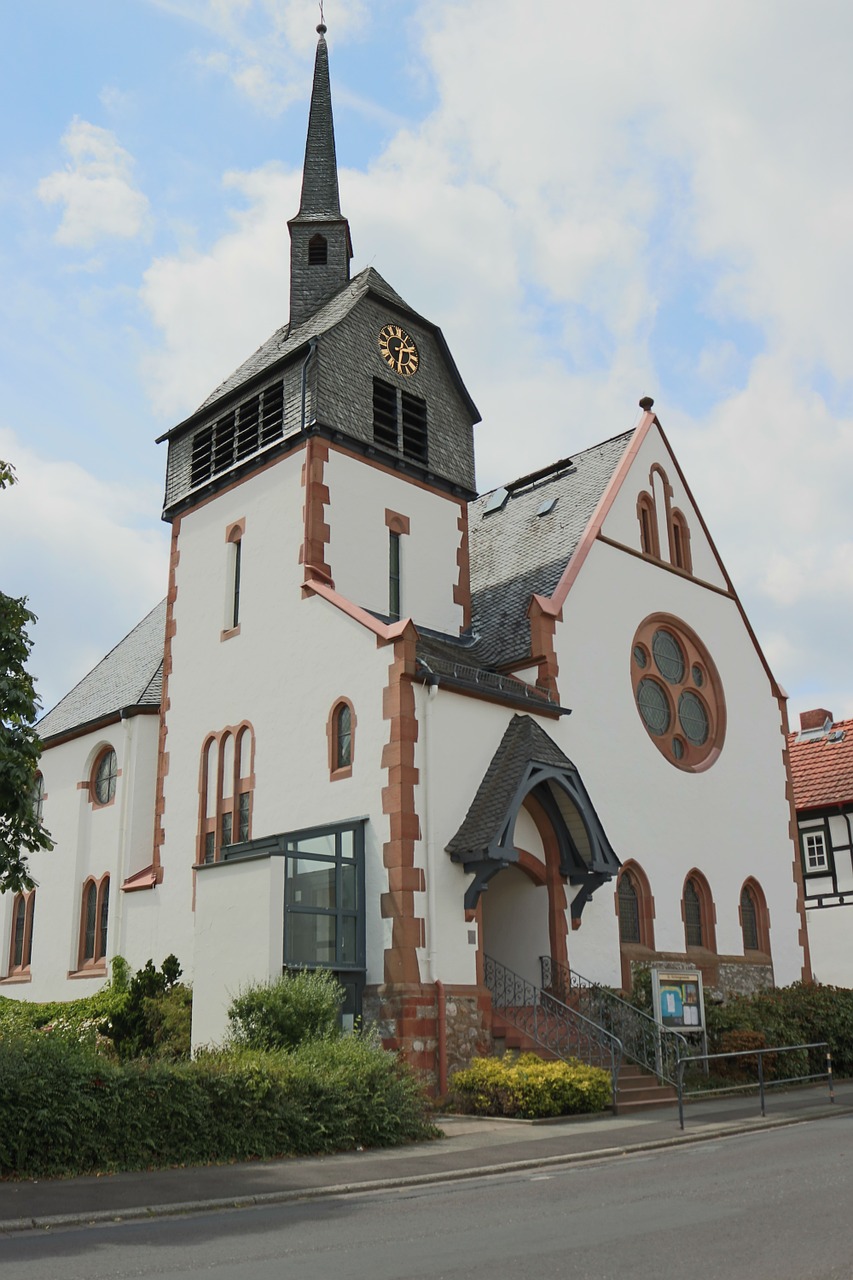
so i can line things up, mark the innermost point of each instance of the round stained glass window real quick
(654, 706)
(693, 718)
(105, 778)
(668, 657)
(669, 664)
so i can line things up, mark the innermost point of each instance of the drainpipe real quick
(312, 347)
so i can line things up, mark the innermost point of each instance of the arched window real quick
(21, 949)
(318, 251)
(233, 578)
(698, 910)
(93, 923)
(227, 781)
(754, 918)
(679, 542)
(37, 796)
(102, 784)
(635, 909)
(648, 518)
(340, 731)
(629, 909)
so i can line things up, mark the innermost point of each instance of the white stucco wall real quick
(830, 931)
(238, 938)
(621, 523)
(115, 839)
(292, 660)
(358, 546)
(730, 821)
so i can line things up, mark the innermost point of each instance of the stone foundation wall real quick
(722, 976)
(407, 1019)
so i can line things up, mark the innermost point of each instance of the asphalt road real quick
(771, 1206)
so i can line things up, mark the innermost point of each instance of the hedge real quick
(529, 1088)
(66, 1110)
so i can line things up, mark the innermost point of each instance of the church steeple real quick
(320, 245)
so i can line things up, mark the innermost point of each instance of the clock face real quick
(398, 350)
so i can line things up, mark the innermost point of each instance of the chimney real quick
(820, 718)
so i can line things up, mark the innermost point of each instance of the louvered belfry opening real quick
(238, 434)
(384, 414)
(414, 421)
(318, 251)
(399, 421)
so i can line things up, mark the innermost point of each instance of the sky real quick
(595, 202)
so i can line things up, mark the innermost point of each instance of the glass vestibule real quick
(324, 906)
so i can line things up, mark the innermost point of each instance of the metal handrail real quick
(655, 1048)
(542, 1016)
(760, 1082)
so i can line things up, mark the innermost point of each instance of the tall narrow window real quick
(692, 915)
(629, 910)
(394, 575)
(748, 920)
(679, 540)
(648, 518)
(340, 730)
(95, 910)
(235, 595)
(698, 908)
(21, 949)
(754, 918)
(233, 578)
(37, 797)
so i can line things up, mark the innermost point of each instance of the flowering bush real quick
(529, 1088)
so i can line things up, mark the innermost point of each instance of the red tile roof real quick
(822, 770)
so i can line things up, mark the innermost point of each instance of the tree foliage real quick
(21, 832)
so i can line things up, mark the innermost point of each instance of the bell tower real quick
(320, 244)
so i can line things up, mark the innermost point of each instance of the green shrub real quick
(529, 1088)
(804, 1013)
(153, 1019)
(70, 1018)
(64, 1110)
(281, 1014)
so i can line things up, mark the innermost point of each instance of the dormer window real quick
(318, 251)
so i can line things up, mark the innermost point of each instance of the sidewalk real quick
(472, 1148)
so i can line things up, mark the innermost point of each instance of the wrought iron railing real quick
(655, 1048)
(543, 1017)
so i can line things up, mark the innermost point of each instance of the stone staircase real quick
(636, 1090)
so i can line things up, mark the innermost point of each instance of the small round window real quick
(678, 693)
(104, 780)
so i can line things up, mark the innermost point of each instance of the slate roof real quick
(514, 552)
(131, 675)
(822, 770)
(523, 743)
(320, 198)
(287, 340)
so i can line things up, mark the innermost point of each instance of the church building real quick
(384, 724)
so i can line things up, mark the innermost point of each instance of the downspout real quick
(312, 347)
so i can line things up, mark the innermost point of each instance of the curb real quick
(150, 1212)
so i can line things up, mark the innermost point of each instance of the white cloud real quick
(591, 178)
(263, 43)
(96, 189)
(87, 554)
